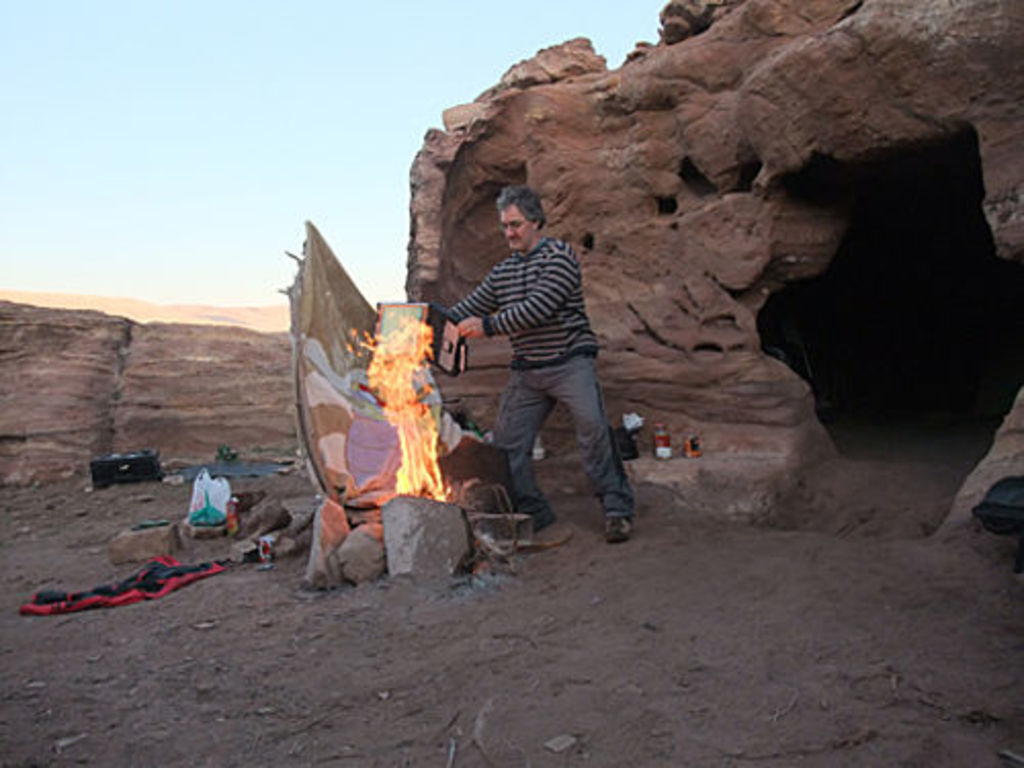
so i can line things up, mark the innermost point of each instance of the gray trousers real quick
(527, 401)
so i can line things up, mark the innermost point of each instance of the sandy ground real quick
(842, 635)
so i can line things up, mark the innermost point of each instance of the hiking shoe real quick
(617, 529)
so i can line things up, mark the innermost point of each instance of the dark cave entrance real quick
(916, 316)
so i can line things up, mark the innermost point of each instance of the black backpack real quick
(1002, 512)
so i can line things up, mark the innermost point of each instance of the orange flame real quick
(397, 374)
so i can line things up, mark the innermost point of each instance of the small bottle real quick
(662, 442)
(231, 513)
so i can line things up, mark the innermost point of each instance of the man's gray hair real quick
(526, 200)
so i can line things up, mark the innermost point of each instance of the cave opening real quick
(915, 317)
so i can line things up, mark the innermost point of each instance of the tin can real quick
(662, 442)
(231, 524)
(266, 549)
(692, 447)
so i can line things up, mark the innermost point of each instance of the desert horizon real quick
(270, 318)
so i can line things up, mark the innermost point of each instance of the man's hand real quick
(472, 328)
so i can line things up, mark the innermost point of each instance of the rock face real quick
(192, 388)
(761, 145)
(1004, 459)
(681, 19)
(78, 384)
(60, 374)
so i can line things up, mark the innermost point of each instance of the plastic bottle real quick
(231, 514)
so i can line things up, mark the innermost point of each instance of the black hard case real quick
(125, 468)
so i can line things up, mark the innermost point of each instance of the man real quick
(535, 297)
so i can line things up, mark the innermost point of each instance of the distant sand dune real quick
(268, 319)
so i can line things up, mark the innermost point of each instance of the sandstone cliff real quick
(864, 152)
(79, 384)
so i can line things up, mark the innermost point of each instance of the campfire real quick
(405, 488)
(399, 376)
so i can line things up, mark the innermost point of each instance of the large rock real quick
(707, 174)
(424, 538)
(330, 529)
(361, 555)
(894, 73)
(575, 57)
(133, 546)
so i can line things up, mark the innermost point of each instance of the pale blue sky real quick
(171, 151)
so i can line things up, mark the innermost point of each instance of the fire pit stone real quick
(424, 538)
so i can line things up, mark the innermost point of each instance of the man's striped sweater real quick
(537, 300)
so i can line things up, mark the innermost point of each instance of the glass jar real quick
(662, 442)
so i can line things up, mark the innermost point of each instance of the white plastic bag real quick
(632, 422)
(209, 499)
